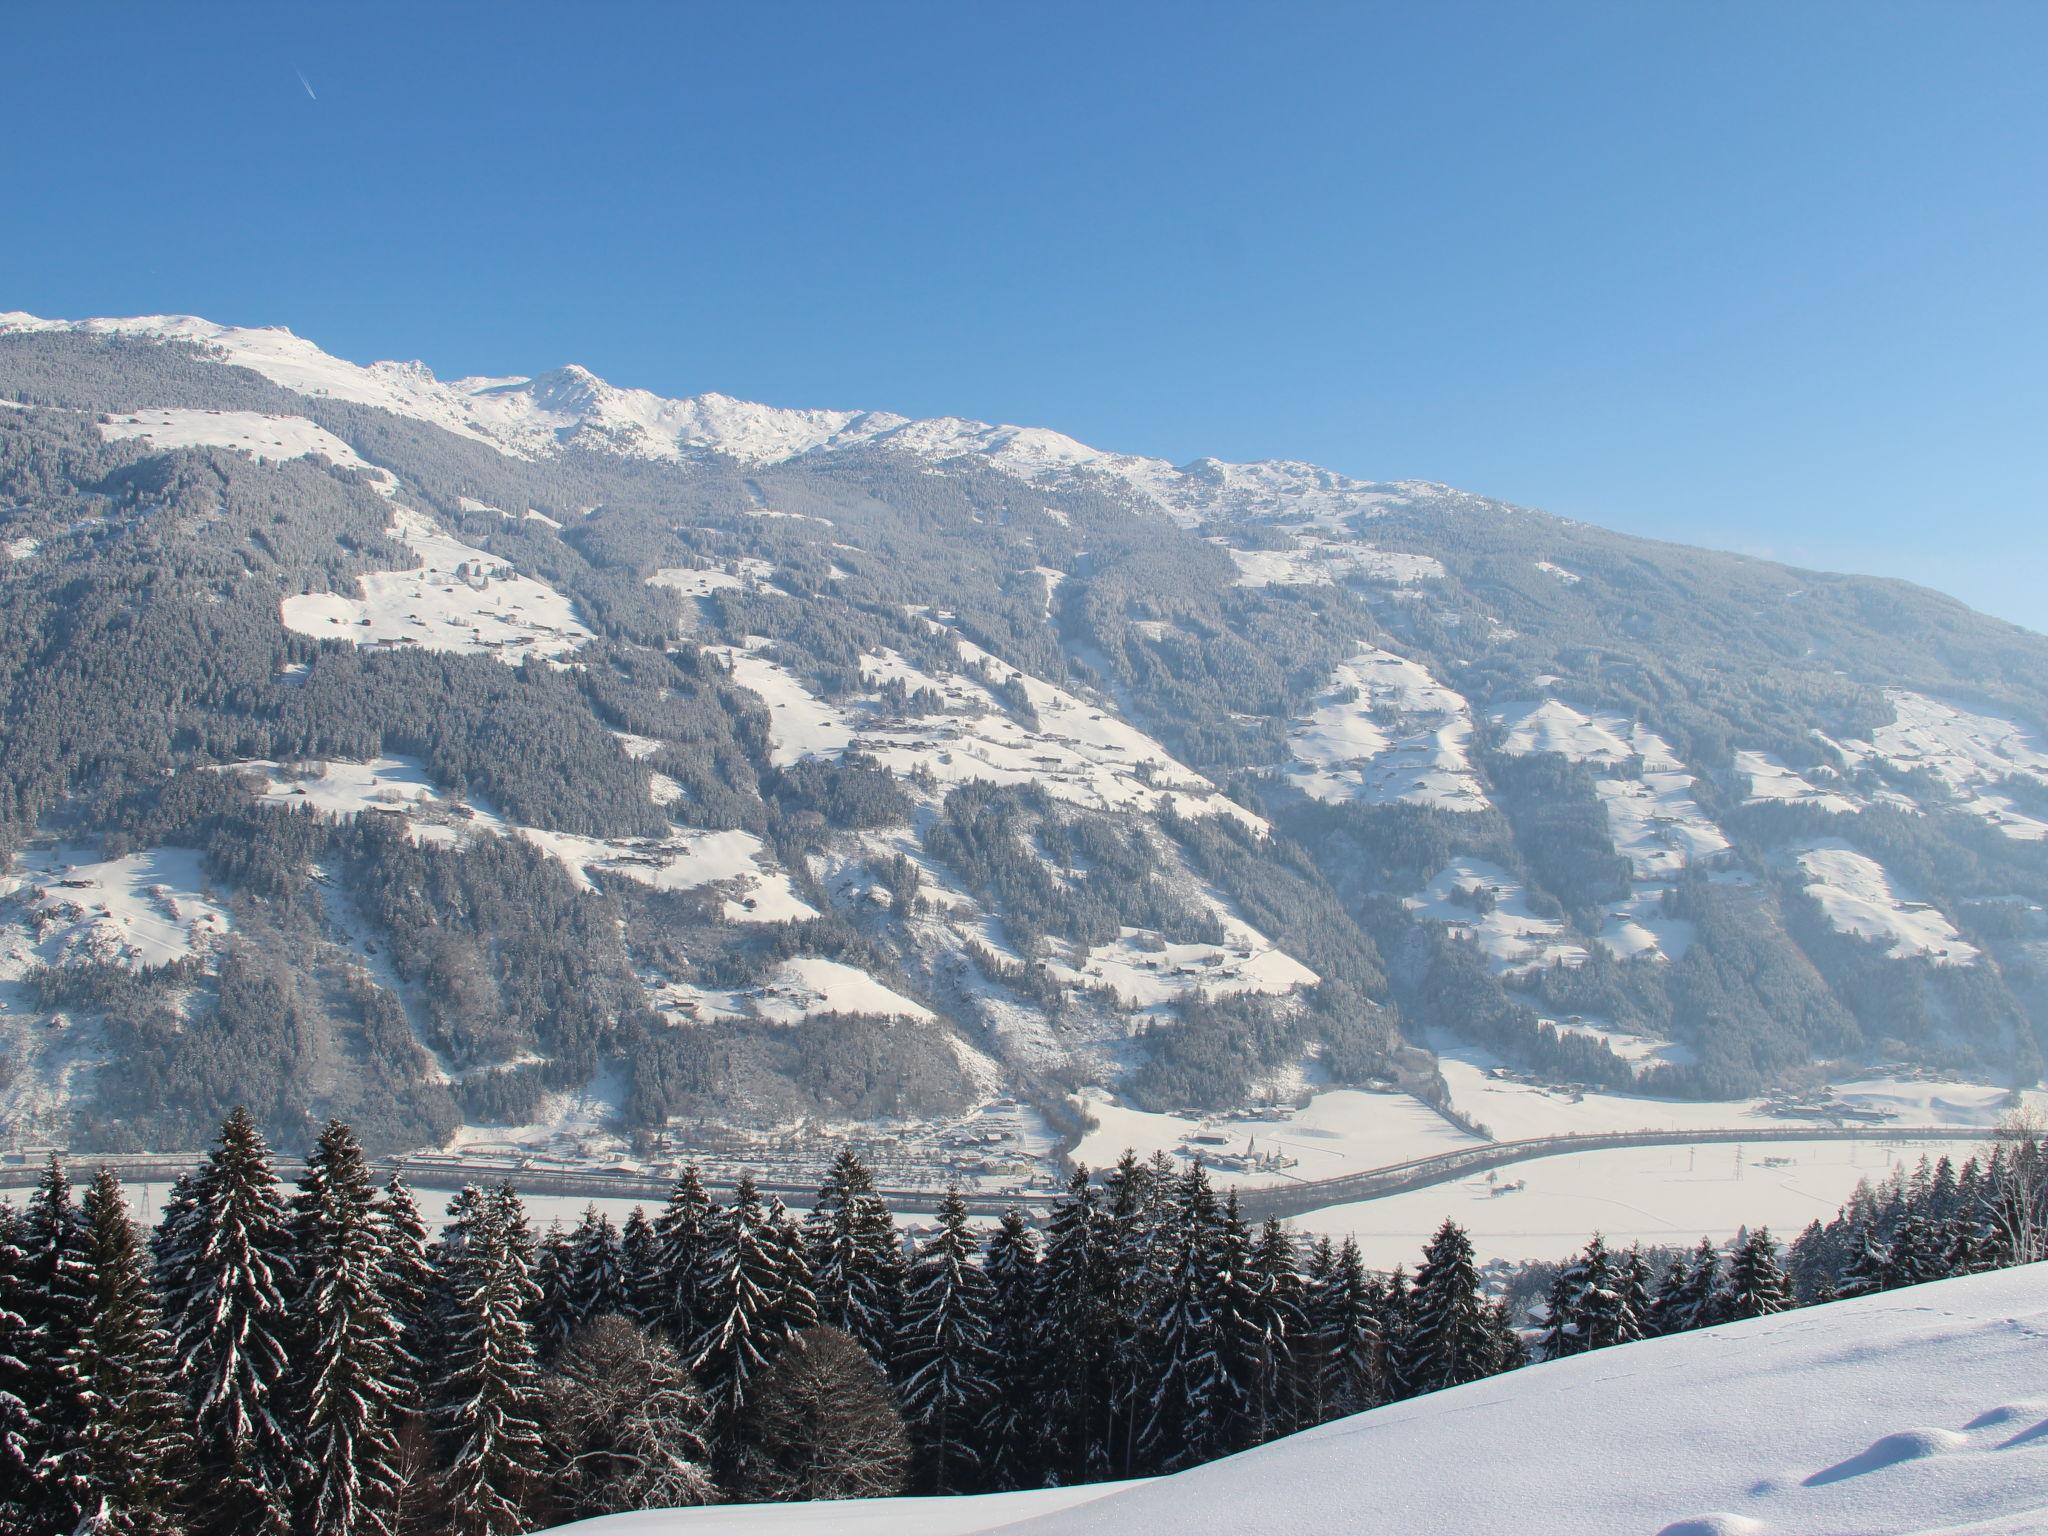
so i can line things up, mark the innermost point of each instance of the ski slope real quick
(1920, 1412)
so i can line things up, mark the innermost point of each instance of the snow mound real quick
(1889, 1451)
(1709, 1434)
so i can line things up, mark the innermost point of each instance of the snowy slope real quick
(1909, 1414)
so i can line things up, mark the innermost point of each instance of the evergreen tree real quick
(856, 1257)
(682, 1253)
(1010, 1436)
(636, 1254)
(1137, 1206)
(1447, 1340)
(408, 1281)
(488, 1396)
(1074, 1312)
(1349, 1316)
(1234, 1318)
(1637, 1313)
(597, 1285)
(794, 1301)
(1184, 1411)
(19, 1431)
(1869, 1266)
(1667, 1307)
(1703, 1303)
(125, 1461)
(1395, 1300)
(227, 1293)
(55, 1303)
(1757, 1286)
(1277, 1314)
(554, 1273)
(942, 1350)
(1917, 1254)
(353, 1382)
(741, 1292)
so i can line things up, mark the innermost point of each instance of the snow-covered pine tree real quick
(54, 1304)
(1137, 1206)
(1393, 1312)
(1010, 1436)
(942, 1352)
(1184, 1414)
(597, 1279)
(1704, 1302)
(18, 1432)
(1233, 1312)
(1636, 1319)
(682, 1252)
(1917, 1254)
(1757, 1286)
(1666, 1304)
(407, 1282)
(554, 1272)
(795, 1301)
(1309, 1363)
(1447, 1340)
(1348, 1338)
(1278, 1314)
(1869, 1265)
(227, 1298)
(743, 1279)
(1075, 1310)
(1597, 1304)
(488, 1396)
(636, 1258)
(126, 1464)
(1506, 1350)
(352, 1382)
(856, 1257)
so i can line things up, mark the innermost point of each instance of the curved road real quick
(1282, 1200)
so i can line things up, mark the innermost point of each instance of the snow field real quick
(143, 909)
(1559, 573)
(1770, 781)
(1968, 753)
(459, 599)
(1511, 936)
(1858, 897)
(1337, 1131)
(1546, 1207)
(1147, 972)
(1385, 731)
(801, 988)
(271, 438)
(1317, 562)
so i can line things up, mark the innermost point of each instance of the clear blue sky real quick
(1771, 277)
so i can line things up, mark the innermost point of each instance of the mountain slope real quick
(550, 766)
(1906, 1414)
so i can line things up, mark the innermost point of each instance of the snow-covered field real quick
(1145, 971)
(1320, 562)
(273, 438)
(1510, 935)
(1771, 781)
(800, 988)
(1078, 751)
(1387, 732)
(1338, 1131)
(1858, 897)
(459, 598)
(1968, 753)
(1913, 1413)
(143, 909)
(1547, 1207)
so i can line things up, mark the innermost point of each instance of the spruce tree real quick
(597, 1285)
(1757, 1286)
(1869, 1266)
(55, 1302)
(489, 1397)
(1637, 1314)
(1075, 1309)
(1704, 1301)
(1010, 1434)
(682, 1253)
(1349, 1342)
(1447, 1340)
(408, 1282)
(1184, 1411)
(227, 1297)
(856, 1258)
(19, 1431)
(742, 1286)
(554, 1273)
(352, 1377)
(942, 1351)
(1278, 1315)
(1667, 1306)
(1394, 1314)
(636, 1255)
(794, 1302)
(126, 1464)
(1137, 1203)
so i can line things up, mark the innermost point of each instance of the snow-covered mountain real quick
(1916, 1413)
(530, 766)
(571, 407)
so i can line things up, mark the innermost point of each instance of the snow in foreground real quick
(1907, 1414)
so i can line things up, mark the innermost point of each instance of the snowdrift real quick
(1919, 1412)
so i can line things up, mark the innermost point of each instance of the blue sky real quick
(1767, 277)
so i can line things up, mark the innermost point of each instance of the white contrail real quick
(302, 80)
